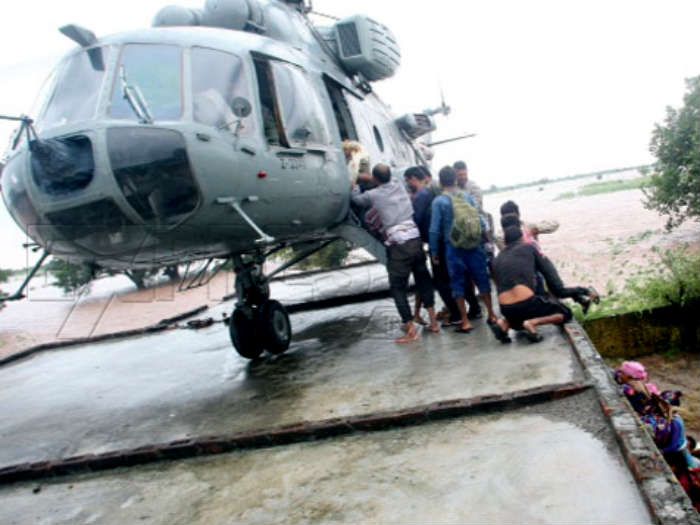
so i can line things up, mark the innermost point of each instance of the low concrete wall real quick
(642, 333)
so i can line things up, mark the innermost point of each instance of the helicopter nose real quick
(152, 168)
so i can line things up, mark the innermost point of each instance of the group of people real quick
(448, 216)
(659, 412)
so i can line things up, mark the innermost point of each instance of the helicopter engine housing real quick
(367, 47)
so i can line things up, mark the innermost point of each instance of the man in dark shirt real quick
(420, 184)
(515, 271)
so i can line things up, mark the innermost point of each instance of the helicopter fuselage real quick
(140, 157)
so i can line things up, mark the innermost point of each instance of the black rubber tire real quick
(243, 329)
(275, 327)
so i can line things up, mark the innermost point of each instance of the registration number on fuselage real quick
(293, 163)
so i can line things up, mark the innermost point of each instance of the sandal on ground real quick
(499, 332)
(447, 324)
(533, 338)
(461, 330)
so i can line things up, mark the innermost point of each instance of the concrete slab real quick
(182, 384)
(550, 463)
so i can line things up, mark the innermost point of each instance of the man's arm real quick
(435, 227)
(551, 276)
(364, 200)
(421, 207)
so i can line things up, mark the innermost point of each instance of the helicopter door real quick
(295, 126)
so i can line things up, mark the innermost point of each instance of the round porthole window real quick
(378, 138)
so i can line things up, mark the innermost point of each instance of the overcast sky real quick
(552, 88)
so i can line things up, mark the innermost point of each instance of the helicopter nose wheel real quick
(257, 323)
(257, 328)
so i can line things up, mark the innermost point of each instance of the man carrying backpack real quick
(455, 220)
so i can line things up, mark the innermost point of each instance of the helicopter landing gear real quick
(257, 323)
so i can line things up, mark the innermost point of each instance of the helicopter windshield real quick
(154, 70)
(76, 90)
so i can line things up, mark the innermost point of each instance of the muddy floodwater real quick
(601, 240)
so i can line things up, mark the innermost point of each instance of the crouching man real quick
(404, 247)
(515, 271)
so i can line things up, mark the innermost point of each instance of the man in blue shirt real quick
(461, 263)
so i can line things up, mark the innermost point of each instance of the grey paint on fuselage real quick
(289, 203)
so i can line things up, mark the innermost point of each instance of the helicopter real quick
(216, 134)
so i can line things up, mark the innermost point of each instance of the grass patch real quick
(672, 279)
(597, 188)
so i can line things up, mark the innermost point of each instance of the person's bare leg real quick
(531, 325)
(412, 334)
(488, 303)
(417, 317)
(434, 323)
(462, 305)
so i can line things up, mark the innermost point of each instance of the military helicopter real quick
(214, 135)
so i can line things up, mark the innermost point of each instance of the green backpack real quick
(466, 225)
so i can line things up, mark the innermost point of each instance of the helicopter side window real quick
(155, 72)
(218, 78)
(272, 122)
(346, 126)
(302, 112)
(76, 92)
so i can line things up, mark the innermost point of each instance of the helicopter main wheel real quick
(275, 327)
(243, 329)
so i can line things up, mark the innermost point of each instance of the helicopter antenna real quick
(443, 105)
(443, 109)
(324, 15)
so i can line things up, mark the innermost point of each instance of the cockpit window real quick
(78, 82)
(218, 78)
(302, 111)
(155, 71)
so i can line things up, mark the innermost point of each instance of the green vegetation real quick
(675, 187)
(672, 279)
(332, 256)
(71, 277)
(644, 170)
(5, 275)
(77, 277)
(611, 186)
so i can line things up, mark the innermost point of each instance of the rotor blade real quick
(453, 139)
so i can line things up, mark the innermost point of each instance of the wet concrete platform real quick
(551, 463)
(183, 384)
(555, 460)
